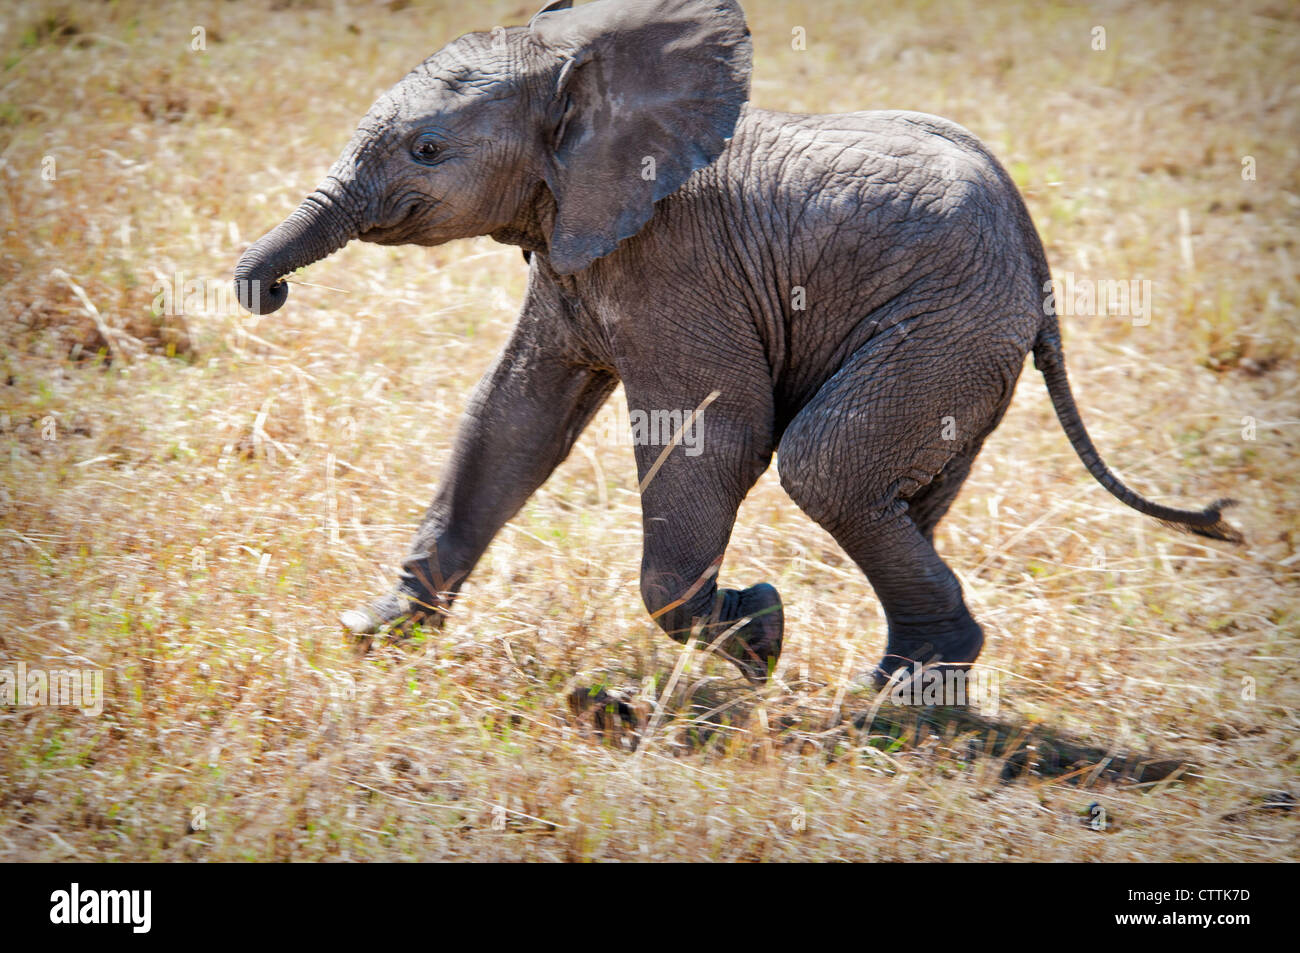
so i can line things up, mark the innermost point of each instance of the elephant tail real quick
(1050, 360)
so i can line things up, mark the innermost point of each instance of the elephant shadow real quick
(710, 717)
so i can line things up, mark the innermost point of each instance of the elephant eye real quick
(426, 150)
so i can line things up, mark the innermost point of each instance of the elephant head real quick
(559, 136)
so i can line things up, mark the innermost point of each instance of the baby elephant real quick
(859, 290)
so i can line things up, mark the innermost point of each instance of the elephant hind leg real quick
(927, 618)
(876, 458)
(929, 504)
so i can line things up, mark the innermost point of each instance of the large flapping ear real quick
(551, 8)
(649, 91)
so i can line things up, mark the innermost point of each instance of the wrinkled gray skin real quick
(922, 284)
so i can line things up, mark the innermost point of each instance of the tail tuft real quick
(1211, 524)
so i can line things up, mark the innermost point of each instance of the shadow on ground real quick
(712, 716)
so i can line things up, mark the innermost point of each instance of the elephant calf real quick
(860, 290)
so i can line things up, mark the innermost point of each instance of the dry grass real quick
(220, 489)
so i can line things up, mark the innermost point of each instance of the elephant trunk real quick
(319, 227)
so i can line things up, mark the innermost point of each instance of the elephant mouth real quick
(404, 230)
(383, 236)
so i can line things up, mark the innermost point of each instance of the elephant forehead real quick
(378, 129)
(437, 91)
(474, 63)
(386, 110)
(398, 112)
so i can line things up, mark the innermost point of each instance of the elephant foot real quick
(394, 615)
(756, 646)
(949, 643)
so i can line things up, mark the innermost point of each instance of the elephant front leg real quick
(688, 509)
(522, 420)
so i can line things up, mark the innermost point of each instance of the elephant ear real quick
(649, 92)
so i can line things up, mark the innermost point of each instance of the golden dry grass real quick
(222, 487)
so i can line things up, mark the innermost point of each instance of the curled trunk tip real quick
(316, 229)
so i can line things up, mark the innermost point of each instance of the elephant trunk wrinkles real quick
(319, 227)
